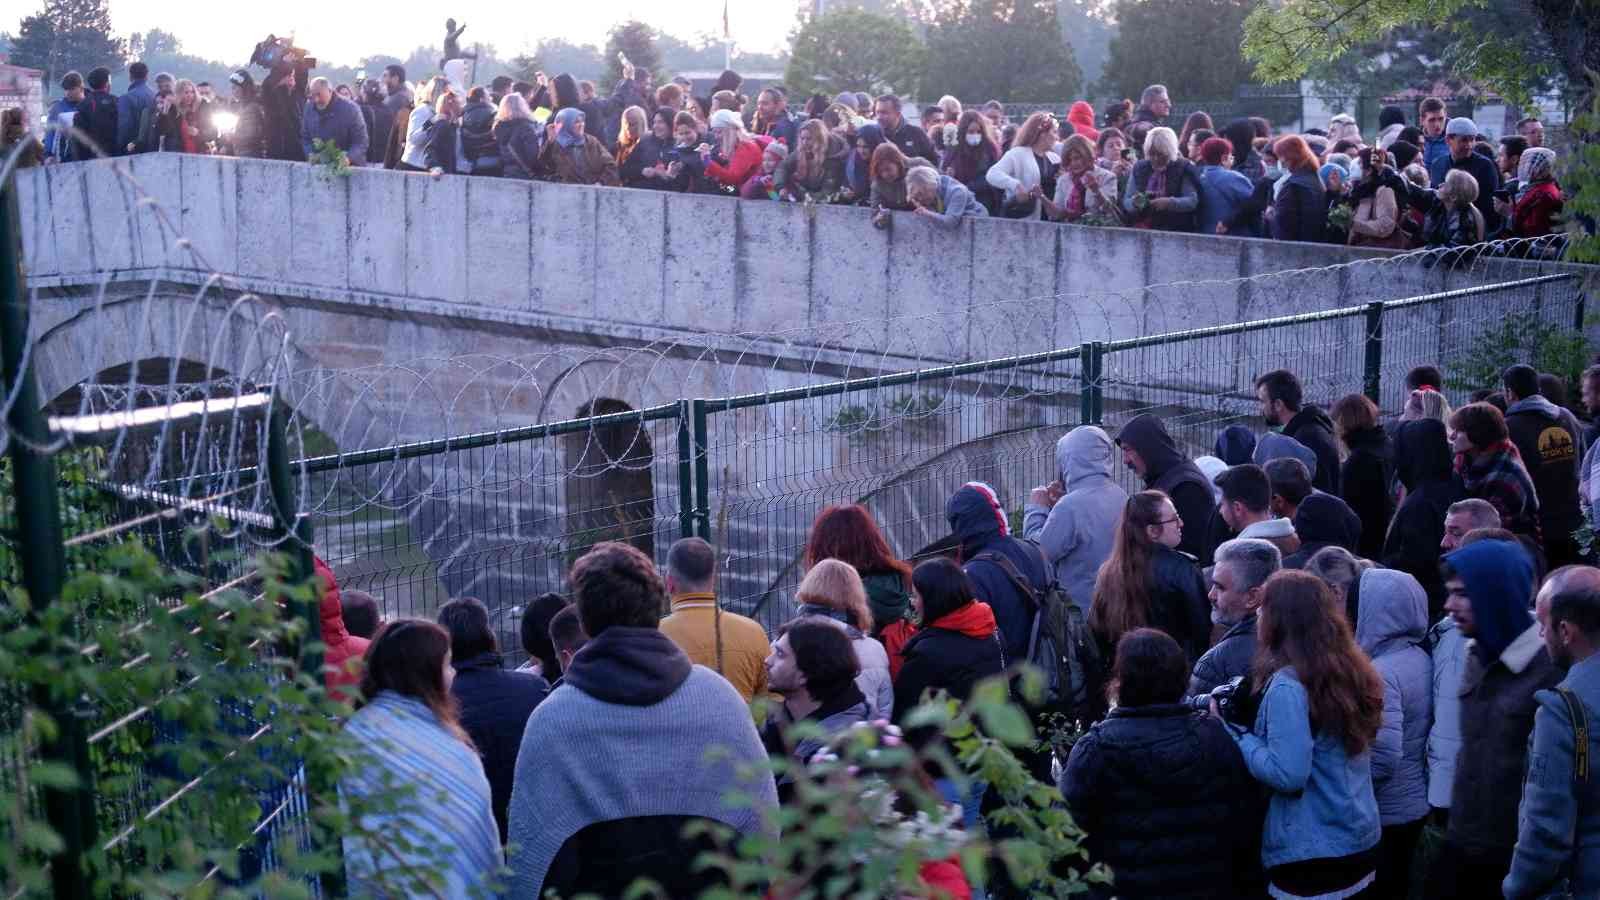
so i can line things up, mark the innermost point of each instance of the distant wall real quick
(667, 266)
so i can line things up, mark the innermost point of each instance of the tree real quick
(1000, 49)
(1191, 45)
(637, 41)
(554, 56)
(154, 42)
(849, 49)
(67, 35)
(1087, 26)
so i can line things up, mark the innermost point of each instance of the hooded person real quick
(1241, 133)
(1423, 464)
(1273, 445)
(990, 556)
(1081, 115)
(1323, 520)
(1490, 585)
(1075, 528)
(1151, 452)
(341, 658)
(1390, 625)
(1236, 445)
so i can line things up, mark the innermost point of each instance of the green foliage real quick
(850, 49)
(637, 41)
(1520, 337)
(865, 817)
(331, 161)
(67, 35)
(1009, 49)
(1192, 46)
(1580, 178)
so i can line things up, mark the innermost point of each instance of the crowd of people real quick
(1300, 653)
(1435, 182)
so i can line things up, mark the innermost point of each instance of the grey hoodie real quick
(1390, 626)
(1076, 536)
(1273, 445)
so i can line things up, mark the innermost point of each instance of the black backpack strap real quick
(1580, 728)
(1010, 568)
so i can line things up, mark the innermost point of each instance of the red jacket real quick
(1534, 210)
(745, 163)
(344, 650)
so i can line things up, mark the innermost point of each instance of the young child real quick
(761, 186)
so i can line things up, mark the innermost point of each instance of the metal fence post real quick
(293, 532)
(1091, 395)
(702, 470)
(1373, 374)
(42, 555)
(686, 482)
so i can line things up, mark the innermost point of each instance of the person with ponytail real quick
(1321, 704)
(441, 838)
(1148, 582)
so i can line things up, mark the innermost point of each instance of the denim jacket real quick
(1322, 804)
(1558, 824)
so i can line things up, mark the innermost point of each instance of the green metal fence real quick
(501, 515)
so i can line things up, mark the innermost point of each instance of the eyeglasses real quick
(1166, 522)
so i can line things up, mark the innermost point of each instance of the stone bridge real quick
(400, 308)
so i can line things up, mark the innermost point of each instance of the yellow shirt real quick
(691, 626)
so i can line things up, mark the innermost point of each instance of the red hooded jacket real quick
(341, 670)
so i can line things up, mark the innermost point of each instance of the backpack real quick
(1059, 644)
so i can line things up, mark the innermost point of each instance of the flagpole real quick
(727, 39)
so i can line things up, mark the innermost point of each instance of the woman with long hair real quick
(517, 136)
(1321, 704)
(849, 534)
(1025, 175)
(887, 172)
(417, 791)
(816, 168)
(195, 132)
(1148, 582)
(974, 153)
(1299, 204)
(736, 156)
(832, 590)
(414, 158)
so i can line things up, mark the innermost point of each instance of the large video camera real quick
(276, 54)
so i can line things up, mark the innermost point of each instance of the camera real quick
(1227, 695)
(277, 54)
(672, 156)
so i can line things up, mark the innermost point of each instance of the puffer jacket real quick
(494, 706)
(1423, 465)
(951, 654)
(1178, 603)
(1169, 471)
(1077, 534)
(1231, 657)
(980, 524)
(1448, 659)
(874, 681)
(342, 654)
(1166, 802)
(1390, 627)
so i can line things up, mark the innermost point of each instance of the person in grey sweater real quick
(1074, 519)
(941, 198)
(634, 744)
(1390, 625)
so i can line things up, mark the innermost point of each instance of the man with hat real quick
(1460, 135)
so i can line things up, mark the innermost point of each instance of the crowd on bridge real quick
(1294, 659)
(1432, 182)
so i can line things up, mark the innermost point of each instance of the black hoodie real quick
(1323, 520)
(1364, 480)
(976, 518)
(632, 666)
(1167, 470)
(1424, 465)
(1312, 427)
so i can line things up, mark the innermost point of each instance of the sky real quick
(343, 32)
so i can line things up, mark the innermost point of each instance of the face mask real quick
(974, 140)
(1274, 172)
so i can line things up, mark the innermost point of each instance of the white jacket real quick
(416, 152)
(1444, 737)
(1015, 175)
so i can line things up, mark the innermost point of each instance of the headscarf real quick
(567, 119)
(1537, 164)
(1330, 168)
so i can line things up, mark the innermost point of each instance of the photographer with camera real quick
(1160, 790)
(333, 119)
(283, 95)
(1311, 745)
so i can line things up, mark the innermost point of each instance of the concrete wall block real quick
(377, 232)
(1013, 283)
(928, 304)
(112, 210)
(628, 249)
(1100, 280)
(154, 226)
(210, 221)
(320, 205)
(562, 272)
(75, 224)
(773, 265)
(849, 299)
(499, 249)
(266, 219)
(436, 230)
(38, 220)
(699, 275)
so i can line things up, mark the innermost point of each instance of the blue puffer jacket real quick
(1322, 805)
(1390, 626)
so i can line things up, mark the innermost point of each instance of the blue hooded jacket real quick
(1236, 445)
(1498, 577)
(978, 521)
